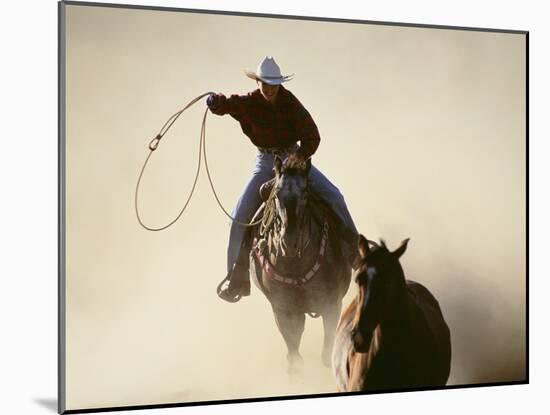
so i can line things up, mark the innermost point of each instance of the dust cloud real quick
(423, 131)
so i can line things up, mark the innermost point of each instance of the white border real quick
(29, 207)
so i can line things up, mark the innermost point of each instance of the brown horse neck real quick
(398, 317)
(393, 331)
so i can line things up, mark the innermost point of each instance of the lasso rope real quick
(269, 213)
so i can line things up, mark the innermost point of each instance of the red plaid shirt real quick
(280, 125)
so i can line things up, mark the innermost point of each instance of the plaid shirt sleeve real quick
(234, 105)
(306, 130)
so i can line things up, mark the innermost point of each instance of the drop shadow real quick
(48, 403)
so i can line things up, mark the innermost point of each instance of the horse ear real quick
(363, 246)
(308, 166)
(277, 165)
(401, 250)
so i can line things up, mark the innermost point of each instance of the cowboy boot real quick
(239, 284)
(238, 277)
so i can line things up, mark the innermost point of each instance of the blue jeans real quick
(250, 201)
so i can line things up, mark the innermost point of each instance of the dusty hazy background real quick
(423, 130)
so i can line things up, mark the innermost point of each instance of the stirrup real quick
(225, 291)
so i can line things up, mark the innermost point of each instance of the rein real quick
(153, 145)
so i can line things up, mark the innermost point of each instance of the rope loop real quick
(154, 144)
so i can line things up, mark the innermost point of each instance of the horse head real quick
(378, 277)
(291, 192)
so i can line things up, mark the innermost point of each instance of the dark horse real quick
(392, 335)
(296, 260)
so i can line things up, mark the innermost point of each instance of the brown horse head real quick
(378, 277)
(291, 191)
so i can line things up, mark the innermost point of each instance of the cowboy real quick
(274, 120)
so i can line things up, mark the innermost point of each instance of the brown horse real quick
(392, 335)
(296, 260)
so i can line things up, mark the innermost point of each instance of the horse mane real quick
(293, 166)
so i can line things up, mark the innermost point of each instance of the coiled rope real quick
(269, 212)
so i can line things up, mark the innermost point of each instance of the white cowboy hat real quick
(268, 72)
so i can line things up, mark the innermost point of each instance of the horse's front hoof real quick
(295, 365)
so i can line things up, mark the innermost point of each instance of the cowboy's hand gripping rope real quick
(154, 144)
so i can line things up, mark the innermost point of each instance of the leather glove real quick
(212, 101)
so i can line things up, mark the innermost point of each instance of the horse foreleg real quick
(291, 325)
(330, 320)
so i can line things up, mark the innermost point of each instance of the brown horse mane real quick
(293, 166)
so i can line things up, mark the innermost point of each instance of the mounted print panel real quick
(257, 207)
